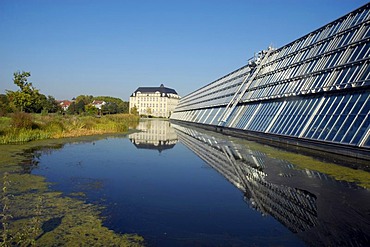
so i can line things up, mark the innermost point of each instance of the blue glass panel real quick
(321, 128)
(364, 51)
(306, 114)
(295, 116)
(367, 33)
(207, 111)
(328, 107)
(313, 129)
(335, 129)
(330, 126)
(367, 143)
(289, 107)
(350, 104)
(361, 131)
(366, 73)
(344, 129)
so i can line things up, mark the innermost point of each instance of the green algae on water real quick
(33, 215)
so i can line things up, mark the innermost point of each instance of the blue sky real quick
(111, 47)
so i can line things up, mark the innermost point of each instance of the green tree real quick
(72, 108)
(134, 111)
(28, 98)
(110, 108)
(86, 99)
(149, 111)
(122, 106)
(50, 105)
(4, 105)
(80, 106)
(91, 110)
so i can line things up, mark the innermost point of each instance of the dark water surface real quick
(178, 186)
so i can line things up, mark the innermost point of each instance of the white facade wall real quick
(154, 104)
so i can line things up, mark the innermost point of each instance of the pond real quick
(180, 186)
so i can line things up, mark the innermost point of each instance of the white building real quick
(154, 101)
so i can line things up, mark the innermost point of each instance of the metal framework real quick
(314, 88)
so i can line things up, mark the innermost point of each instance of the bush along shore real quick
(24, 127)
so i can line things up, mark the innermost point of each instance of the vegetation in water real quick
(23, 127)
(342, 173)
(33, 215)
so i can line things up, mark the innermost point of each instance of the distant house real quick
(98, 103)
(154, 101)
(64, 104)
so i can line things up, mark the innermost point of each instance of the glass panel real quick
(335, 122)
(311, 129)
(366, 73)
(291, 117)
(367, 143)
(335, 129)
(341, 76)
(365, 124)
(295, 116)
(285, 114)
(364, 51)
(306, 114)
(367, 33)
(348, 109)
(346, 129)
(329, 119)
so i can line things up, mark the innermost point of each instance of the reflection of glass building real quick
(314, 90)
(306, 202)
(154, 134)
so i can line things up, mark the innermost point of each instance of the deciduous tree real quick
(27, 98)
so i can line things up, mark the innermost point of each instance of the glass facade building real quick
(315, 88)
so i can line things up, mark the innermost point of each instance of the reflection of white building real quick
(154, 101)
(155, 134)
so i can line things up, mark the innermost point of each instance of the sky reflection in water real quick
(153, 184)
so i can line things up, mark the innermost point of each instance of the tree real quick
(72, 108)
(110, 108)
(4, 105)
(148, 111)
(91, 110)
(50, 105)
(86, 99)
(122, 106)
(134, 111)
(80, 106)
(28, 98)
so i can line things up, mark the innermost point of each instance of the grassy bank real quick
(22, 127)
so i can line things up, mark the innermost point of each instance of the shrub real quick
(22, 120)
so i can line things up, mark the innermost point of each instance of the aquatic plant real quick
(33, 215)
(339, 172)
(5, 215)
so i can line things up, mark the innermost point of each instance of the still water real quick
(180, 186)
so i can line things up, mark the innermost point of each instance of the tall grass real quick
(22, 127)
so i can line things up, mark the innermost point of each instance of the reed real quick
(24, 127)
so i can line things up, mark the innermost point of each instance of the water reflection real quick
(154, 134)
(319, 209)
